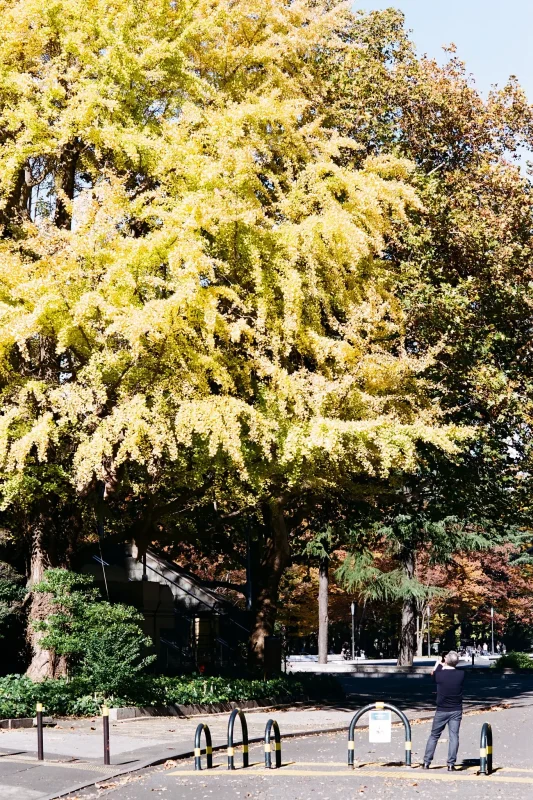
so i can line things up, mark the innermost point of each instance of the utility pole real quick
(492, 627)
(352, 608)
(429, 632)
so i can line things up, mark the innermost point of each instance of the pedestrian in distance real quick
(449, 711)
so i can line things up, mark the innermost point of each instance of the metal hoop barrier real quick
(231, 750)
(268, 745)
(198, 747)
(371, 707)
(485, 750)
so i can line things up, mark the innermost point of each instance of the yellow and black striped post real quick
(105, 726)
(485, 750)
(198, 747)
(39, 714)
(371, 707)
(231, 749)
(272, 724)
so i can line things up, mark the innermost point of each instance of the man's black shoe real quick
(451, 769)
(425, 766)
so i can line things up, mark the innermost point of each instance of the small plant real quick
(103, 642)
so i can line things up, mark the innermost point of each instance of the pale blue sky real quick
(493, 37)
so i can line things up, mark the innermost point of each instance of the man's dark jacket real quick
(449, 689)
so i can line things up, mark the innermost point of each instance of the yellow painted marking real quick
(351, 745)
(489, 750)
(39, 706)
(482, 752)
(245, 748)
(267, 748)
(105, 711)
(380, 705)
(408, 774)
(408, 745)
(197, 752)
(277, 745)
(208, 751)
(231, 751)
(362, 767)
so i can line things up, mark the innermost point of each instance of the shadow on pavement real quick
(419, 694)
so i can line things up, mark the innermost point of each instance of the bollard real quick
(268, 746)
(105, 724)
(485, 750)
(371, 707)
(40, 752)
(198, 747)
(231, 750)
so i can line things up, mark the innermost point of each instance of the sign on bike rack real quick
(379, 727)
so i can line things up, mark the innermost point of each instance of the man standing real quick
(449, 711)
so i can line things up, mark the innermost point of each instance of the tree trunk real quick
(66, 184)
(44, 664)
(419, 634)
(408, 625)
(323, 610)
(16, 208)
(276, 557)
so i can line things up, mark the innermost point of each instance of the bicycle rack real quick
(272, 724)
(231, 750)
(485, 750)
(198, 747)
(371, 707)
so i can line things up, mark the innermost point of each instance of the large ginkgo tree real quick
(193, 302)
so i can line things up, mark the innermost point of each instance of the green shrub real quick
(18, 694)
(103, 643)
(514, 661)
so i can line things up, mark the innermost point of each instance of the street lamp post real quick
(352, 608)
(429, 632)
(492, 626)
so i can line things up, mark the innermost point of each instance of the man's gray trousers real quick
(442, 718)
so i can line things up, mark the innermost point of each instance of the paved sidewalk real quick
(314, 768)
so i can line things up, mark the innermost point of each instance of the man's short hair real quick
(452, 658)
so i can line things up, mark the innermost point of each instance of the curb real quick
(197, 709)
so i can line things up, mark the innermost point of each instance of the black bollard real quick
(40, 752)
(105, 722)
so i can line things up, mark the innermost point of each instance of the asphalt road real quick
(315, 767)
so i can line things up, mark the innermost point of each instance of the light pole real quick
(352, 609)
(429, 632)
(492, 626)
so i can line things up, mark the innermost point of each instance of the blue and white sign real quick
(380, 727)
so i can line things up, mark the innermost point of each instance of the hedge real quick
(514, 661)
(19, 694)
